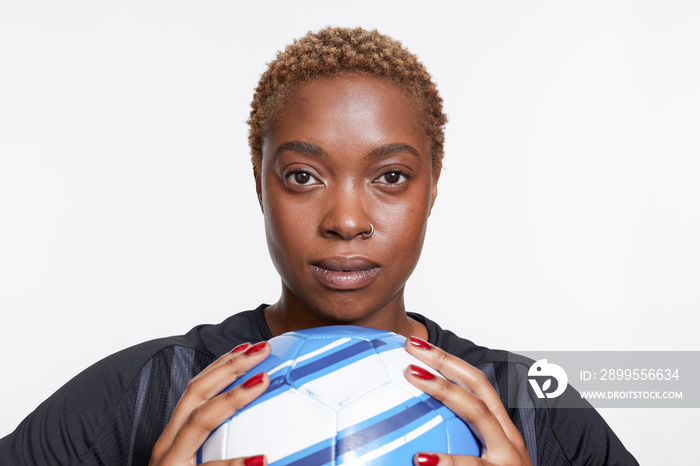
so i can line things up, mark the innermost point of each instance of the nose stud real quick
(371, 231)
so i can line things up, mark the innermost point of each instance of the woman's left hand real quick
(468, 393)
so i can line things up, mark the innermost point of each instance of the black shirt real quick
(113, 412)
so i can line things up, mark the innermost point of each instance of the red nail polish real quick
(256, 461)
(420, 343)
(255, 348)
(254, 380)
(426, 459)
(240, 347)
(421, 373)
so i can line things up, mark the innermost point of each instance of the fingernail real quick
(420, 343)
(240, 347)
(421, 373)
(254, 380)
(426, 459)
(256, 461)
(255, 348)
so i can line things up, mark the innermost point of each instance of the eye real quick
(392, 177)
(301, 178)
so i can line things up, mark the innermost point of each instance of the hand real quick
(202, 408)
(468, 393)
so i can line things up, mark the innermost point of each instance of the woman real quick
(346, 133)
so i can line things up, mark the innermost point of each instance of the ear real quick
(258, 187)
(433, 194)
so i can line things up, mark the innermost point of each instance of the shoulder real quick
(246, 326)
(113, 411)
(466, 349)
(553, 435)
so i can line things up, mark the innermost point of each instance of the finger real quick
(454, 369)
(237, 351)
(208, 383)
(259, 460)
(466, 376)
(214, 378)
(441, 459)
(210, 415)
(470, 408)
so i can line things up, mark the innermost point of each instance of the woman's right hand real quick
(202, 408)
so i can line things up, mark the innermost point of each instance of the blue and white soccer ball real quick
(338, 396)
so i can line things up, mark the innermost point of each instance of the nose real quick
(345, 216)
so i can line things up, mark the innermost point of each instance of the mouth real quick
(345, 273)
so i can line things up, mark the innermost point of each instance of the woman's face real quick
(346, 152)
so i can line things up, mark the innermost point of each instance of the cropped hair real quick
(333, 51)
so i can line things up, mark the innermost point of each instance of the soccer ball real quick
(338, 396)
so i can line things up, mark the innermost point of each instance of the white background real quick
(567, 217)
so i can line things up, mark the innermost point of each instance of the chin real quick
(348, 310)
(344, 315)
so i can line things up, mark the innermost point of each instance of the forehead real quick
(347, 108)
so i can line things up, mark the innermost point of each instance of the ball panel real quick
(281, 355)
(330, 361)
(396, 439)
(344, 383)
(396, 361)
(306, 424)
(394, 422)
(461, 440)
(321, 454)
(425, 438)
(373, 405)
(215, 446)
(340, 331)
(277, 365)
(387, 341)
(316, 347)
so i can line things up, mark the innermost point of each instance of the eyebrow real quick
(307, 148)
(391, 149)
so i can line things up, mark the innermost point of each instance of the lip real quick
(345, 273)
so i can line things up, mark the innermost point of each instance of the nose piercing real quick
(371, 231)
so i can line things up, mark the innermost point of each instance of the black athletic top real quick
(113, 412)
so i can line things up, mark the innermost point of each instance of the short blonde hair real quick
(332, 51)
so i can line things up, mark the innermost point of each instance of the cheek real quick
(403, 232)
(408, 217)
(281, 240)
(289, 227)
(282, 227)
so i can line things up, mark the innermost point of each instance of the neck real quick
(290, 313)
